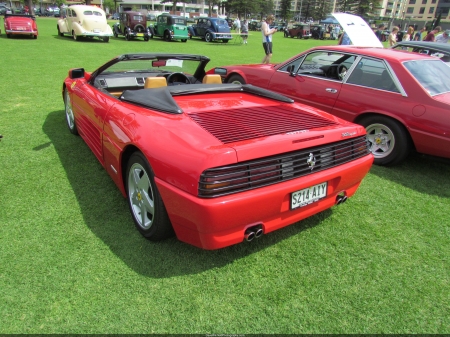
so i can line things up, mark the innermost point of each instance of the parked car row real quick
(133, 25)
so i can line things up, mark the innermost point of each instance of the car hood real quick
(358, 30)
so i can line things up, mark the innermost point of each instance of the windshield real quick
(154, 65)
(432, 75)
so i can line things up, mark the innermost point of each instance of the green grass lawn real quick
(71, 260)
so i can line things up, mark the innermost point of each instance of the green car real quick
(170, 27)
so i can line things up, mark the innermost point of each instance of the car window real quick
(432, 75)
(374, 74)
(325, 64)
(138, 18)
(292, 66)
(179, 21)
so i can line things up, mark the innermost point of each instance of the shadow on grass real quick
(105, 212)
(422, 173)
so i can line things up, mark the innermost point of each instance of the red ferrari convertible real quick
(214, 163)
(401, 98)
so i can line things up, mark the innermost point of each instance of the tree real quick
(363, 8)
(285, 9)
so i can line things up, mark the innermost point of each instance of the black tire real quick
(74, 35)
(70, 119)
(105, 39)
(225, 41)
(167, 36)
(237, 79)
(115, 34)
(146, 38)
(145, 202)
(388, 140)
(183, 40)
(127, 36)
(299, 35)
(208, 37)
(59, 32)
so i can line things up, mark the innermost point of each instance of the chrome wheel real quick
(145, 202)
(70, 119)
(140, 195)
(388, 139)
(381, 140)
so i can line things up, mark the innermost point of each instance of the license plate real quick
(97, 31)
(308, 195)
(139, 34)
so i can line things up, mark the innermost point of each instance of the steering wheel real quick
(177, 79)
(342, 71)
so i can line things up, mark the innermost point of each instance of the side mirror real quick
(76, 73)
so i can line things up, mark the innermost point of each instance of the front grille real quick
(261, 172)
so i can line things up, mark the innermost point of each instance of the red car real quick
(401, 98)
(20, 24)
(214, 163)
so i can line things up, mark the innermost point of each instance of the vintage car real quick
(440, 50)
(214, 163)
(300, 31)
(132, 25)
(402, 98)
(211, 29)
(20, 24)
(84, 21)
(170, 28)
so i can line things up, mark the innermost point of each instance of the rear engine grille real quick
(21, 26)
(236, 125)
(261, 172)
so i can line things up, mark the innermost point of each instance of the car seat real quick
(155, 82)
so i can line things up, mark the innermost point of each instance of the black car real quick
(441, 50)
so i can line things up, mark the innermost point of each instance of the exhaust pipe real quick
(253, 232)
(258, 232)
(249, 235)
(340, 199)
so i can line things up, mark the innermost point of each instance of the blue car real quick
(211, 29)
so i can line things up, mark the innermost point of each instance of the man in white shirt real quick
(267, 38)
(237, 25)
(443, 38)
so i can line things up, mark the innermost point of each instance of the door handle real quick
(333, 91)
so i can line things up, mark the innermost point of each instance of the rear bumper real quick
(21, 32)
(88, 34)
(220, 222)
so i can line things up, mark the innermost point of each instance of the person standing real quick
(379, 32)
(418, 35)
(344, 39)
(244, 31)
(431, 35)
(392, 39)
(237, 25)
(443, 38)
(267, 33)
(409, 34)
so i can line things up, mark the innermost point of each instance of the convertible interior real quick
(115, 84)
